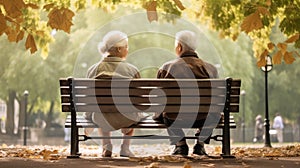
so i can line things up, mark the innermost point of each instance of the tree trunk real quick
(10, 121)
(50, 115)
(21, 115)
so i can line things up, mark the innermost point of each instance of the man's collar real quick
(189, 54)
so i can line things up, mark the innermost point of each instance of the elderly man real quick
(186, 65)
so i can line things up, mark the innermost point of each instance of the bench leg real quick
(74, 144)
(226, 137)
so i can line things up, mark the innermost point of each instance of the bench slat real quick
(138, 92)
(170, 100)
(146, 123)
(145, 108)
(166, 83)
(155, 100)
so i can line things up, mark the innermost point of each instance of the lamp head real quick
(269, 65)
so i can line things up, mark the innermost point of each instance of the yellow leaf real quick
(179, 4)
(30, 43)
(151, 11)
(288, 58)
(252, 22)
(271, 46)
(277, 58)
(282, 47)
(293, 38)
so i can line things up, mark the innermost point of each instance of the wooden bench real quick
(185, 98)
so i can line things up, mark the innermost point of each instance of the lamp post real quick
(25, 128)
(243, 94)
(267, 68)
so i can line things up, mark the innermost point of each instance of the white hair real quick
(187, 39)
(112, 39)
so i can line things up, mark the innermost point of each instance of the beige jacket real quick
(113, 67)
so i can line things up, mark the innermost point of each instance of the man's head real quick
(185, 41)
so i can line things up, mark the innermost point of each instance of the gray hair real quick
(111, 40)
(187, 39)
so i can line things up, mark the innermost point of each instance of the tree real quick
(36, 19)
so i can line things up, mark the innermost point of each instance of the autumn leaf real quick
(187, 165)
(271, 46)
(288, 58)
(297, 53)
(3, 26)
(61, 19)
(268, 2)
(33, 6)
(277, 58)
(262, 59)
(293, 38)
(151, 11)
(282, 47)
(20, 36)
(30, 43)
(48, 6)
(11, 34)
(13, 8)
(252, 22)
(179, 4)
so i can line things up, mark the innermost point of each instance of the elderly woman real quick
(114, 48)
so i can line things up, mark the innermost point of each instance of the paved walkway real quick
(125, 163)
(148, 156)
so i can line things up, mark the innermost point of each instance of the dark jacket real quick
(187, 66)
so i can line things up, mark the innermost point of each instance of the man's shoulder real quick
(172, 62)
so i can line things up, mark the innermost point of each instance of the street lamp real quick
(267, 68)
(243, 94)
(25, 128)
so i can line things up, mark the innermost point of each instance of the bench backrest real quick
(172, 96)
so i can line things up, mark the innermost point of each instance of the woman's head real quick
(114, 43)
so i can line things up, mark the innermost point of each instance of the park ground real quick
(150, 156)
